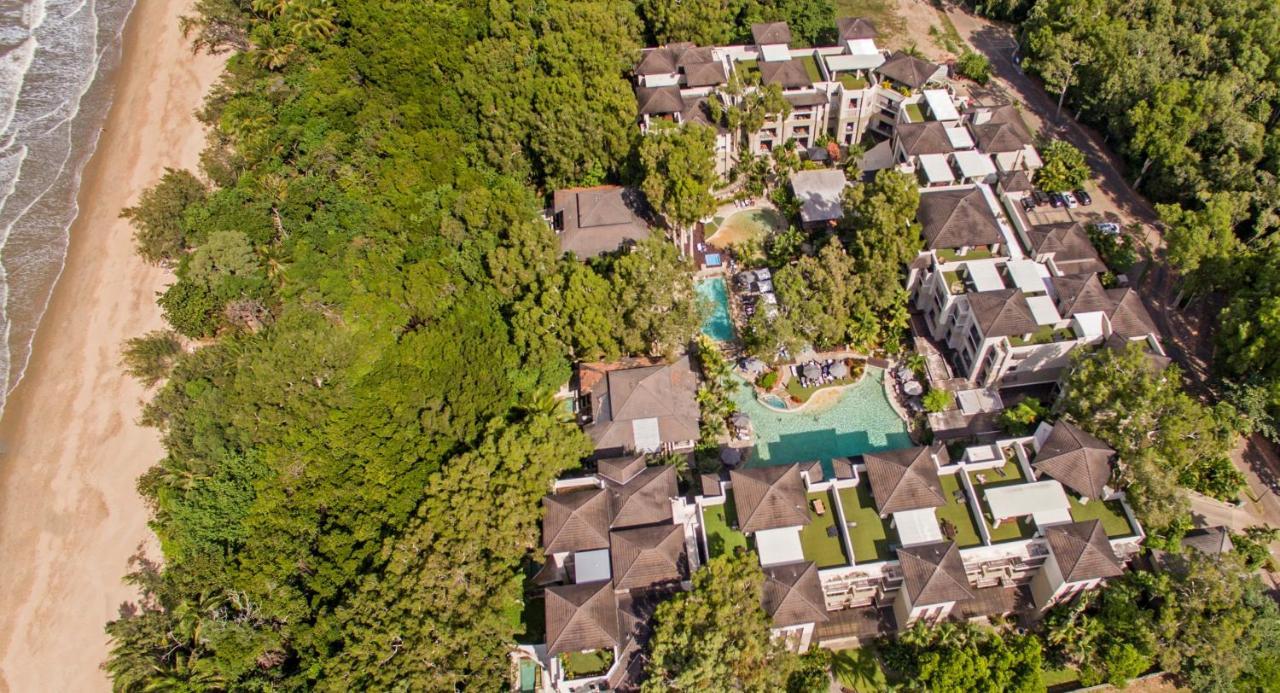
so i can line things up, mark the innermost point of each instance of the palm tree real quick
(314, 19)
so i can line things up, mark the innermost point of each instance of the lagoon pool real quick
(717, 325)
(856, 421)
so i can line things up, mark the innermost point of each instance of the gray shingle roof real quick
(1082, 550)
(957, 218)
(905, 479)
(659, 100)
(1129, 317)
(1210, 541)
(645, 499)
(705, 74)
(1002, 313)
(646, 556)
(792, 594)
(665, 392)
(855, 28)
(770, 32)
(910, 71)
(1078, 460)
(1003, 132)
(933, 573)
(1015, 181)
(620, 470)
(924, 138)
(581, 617)
(599, 219)
(1081, 293)
(788, 74)
(1069, 245)
(769, 497)
(575, 521)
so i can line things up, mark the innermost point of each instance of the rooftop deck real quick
(820, 539)
(721, 521)
(1008, 475)
(1114, 521)
(873, 538)
(957, 512)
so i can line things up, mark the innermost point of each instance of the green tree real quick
(1202, 244)
(962, 656)
(1021, 419)
(717, 636)
(678, 164)
(653, 293)
(149, 358)
(159, 232)
(936, 400)
(975, 66)
(1064, 167)
(715, 393)
(704, 22)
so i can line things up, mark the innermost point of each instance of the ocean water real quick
(57, 64)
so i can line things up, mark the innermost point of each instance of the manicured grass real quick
(872, 536)
(1052, 677)
(859, 669)
(851, 81)
(914, 113)
(957, 513)
(1111, 513)
(720, 521)
(1008, 475)
(802, 393)
(819, 547)
(748, 68)
(580, 664)
(951, 255)
(811, 67)
(533, 621)
(1044, 335)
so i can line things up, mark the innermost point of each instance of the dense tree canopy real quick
(962, 656)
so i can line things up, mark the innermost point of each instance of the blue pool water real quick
(717, 325)
(859, 420)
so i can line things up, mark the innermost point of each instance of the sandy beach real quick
(70, 514)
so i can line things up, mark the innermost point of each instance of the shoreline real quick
(70, 514)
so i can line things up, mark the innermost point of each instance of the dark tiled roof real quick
(1081, 293)
(646, 556)
(933, 573)
(1069, 245)
(806, 99)
(575, 521)
(1002, 313)
(1210, 541)
(705, 74)
(908, 70)
(905, 479)
(843, 467)
(924, 138)
(645, 499)
(666, 60)
(710, 484)
(666, 392)
(620, 470)
(770, 32)
(1003, 132)
(581, 617)
(1076, 459)
(1129, 318)
(855, 28)
(788, 74)
(1082, 551)
(814, 469)
(659, 100)
(1015, 181)
(792, 594)
(769, 497)
(599, 219)
(690, 55)
(957, 218)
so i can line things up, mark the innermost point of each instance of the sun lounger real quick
(819, 507)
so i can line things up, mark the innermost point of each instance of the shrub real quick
(975, 66)
(149, 358)
(768, 380)
(1021, 419)
(936, 400)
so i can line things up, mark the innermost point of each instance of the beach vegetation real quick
(149, 358)
(161, 232)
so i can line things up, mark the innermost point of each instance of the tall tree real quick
(678, 164)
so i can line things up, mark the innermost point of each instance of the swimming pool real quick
(858, 420)
(718, 324)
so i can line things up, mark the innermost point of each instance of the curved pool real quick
(857, 420)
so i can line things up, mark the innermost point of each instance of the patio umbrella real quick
(740, 420)
(730, 456)
(913, 388)
(766, 285)
(838, 369)
(812, 371)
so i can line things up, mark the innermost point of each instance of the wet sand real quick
(70, 514)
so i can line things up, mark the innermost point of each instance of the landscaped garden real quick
(860, 669)
(802, 393)
(956, 513)
(873, 537)
(1111, 512)
(746, 226)
(720, 521)
(582, 664)
(820, 539)
(1008, 475)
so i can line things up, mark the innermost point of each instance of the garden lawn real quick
(859, 669)
(720, 521)
(1110, 512)
(958, 513)
(872, 537)
(818, 546)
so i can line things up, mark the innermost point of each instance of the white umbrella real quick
(913, 388)
(812, 371)
(838, 369)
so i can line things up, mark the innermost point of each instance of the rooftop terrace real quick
(1008, 475)
(873, 538)
(820, 539)
(1114, 520)
(957, 512)
(720, 523)
(811, 67)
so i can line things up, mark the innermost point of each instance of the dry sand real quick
(70, 514)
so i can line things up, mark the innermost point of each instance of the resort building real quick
(628, 408)
(593, 221)
(616, 544)
(911, 534)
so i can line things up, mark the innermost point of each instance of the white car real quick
(1069, 200)
(1108, 227)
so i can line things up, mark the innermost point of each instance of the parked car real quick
(1056, 200)
(1069, 200)
(1107, 227)
(1084, 197)
(1040, 196)
(1028, 204)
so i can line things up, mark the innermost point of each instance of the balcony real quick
(953, 255)
(851, 81)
